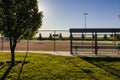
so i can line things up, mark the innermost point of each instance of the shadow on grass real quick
(103, 63)
(24, 62)
(2, 65)
(6, 73)
(86, 71)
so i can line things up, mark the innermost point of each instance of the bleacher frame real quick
(94, 32)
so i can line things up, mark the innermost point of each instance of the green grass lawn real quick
(52, 67)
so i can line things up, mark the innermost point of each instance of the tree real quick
(117, 36)
(60, 36)
(40, 36)
(111, 35)
(105, 37)
(19, 19)
(82, 36)
(50, 36)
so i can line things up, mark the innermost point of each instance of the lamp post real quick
(85, 14)
(55, 35)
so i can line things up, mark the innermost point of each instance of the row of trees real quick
(50, 36)
(105, 37)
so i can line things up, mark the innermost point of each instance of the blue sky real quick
(66, 14)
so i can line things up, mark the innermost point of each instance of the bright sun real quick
(40, 7)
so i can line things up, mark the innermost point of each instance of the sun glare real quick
(40, 6)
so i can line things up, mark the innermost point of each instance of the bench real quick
(92, 47)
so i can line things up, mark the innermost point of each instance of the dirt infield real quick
(36, 45)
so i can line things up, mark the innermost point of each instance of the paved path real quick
(68, 53)
(81, 54)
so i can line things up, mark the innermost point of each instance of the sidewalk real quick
(79, 54)
(47, 52)
(68, 53)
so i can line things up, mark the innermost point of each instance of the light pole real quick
(55, 35)
(85, 14)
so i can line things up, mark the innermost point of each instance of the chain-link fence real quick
(45, 40)
(59, 40)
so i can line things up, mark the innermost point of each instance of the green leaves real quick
(19, 18)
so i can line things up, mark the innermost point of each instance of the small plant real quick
(119, 45)
(50, 37)
(60, 36)
(105, 37)
(83, 36)
(111, 35)
(118, 36)
(40, 36)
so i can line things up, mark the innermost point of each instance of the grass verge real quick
(52, 67)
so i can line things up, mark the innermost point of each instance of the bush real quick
(40, 37)
(82, 36)
(105, 37)
(60, 36)
(50, 37)
(119, 45)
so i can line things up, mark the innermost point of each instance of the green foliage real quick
(105, 37)
(19, 18)
(111, 35)
(119, 45)
(50, 36)
(60, 36)
(51, 67)
(117, 36)
(82, 36)
(40, 36)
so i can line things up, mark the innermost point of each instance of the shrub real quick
(40, 36)
(82, 36)
(105, 37)
(50, 37)
(60, 36)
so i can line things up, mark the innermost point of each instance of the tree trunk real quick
(12, 48)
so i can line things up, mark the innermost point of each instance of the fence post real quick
(27, 45)
(71, 37)
(2, 43)
(96, 46)
(92, 41)
(55, 35)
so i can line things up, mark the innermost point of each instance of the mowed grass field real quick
(51, 67)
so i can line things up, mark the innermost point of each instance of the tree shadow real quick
(6, 72)
(86, 71)
(2, 65)
(24, 62)
(103, 63)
